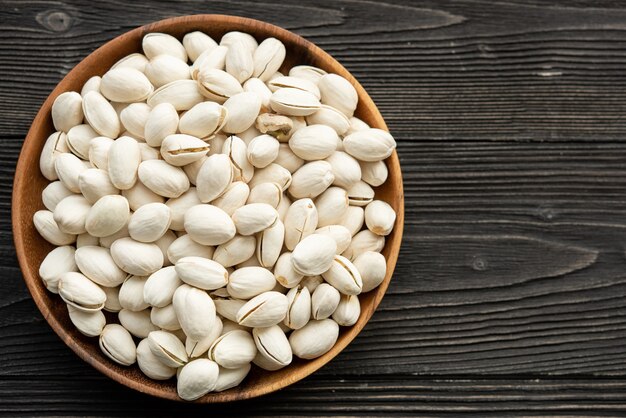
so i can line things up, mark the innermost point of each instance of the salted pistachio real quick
(53, 193)
(196, 43)
(93, 84)
(185, 246)
(112, 303)
(163, 178)
(197, 378)
(165, 318)
(344, 276)
(68, 168)
(345, 168)
(339, 93)
(86, 240)
(90, 324)
(269, 243)
(125, 85)
(138, 323)
(192, 169)
(273, 173)
(99, 152)
(107, 241)
(369, 144)
(107, 216)
(239, 62)
(238, 39)
(70, 214)
(78, 140)
(264, 310)
(100, 115)
(262, 151)
(148, 153)
(300, 221)
(117, 344)
(58, 261)
(274, 351)
(374, 173)
(258, 87)
(329, 116)
(162, 121)
(299, 307)
(195, 311)
(235, 251)
(151, 365)
(362, 242)
(203, 120)
(164, 69)
(139, 195)
(55, 145)
(228, 308)
(294, 102)
(136, 60)
(182, 149)
(134, 118)
(159, 288)
(131, 294)
(254, 217)
(311, 180)
(233, 349)
(49, 230)
(234, 197)
(209, 225)
(249, 134)
(331, 206)
(137, 258)
(164, 243)
(95, 183)
(230, 378)
(360, 194)
(288, 159)
(97, 264)
(267, 58)
(373, 267)
(243, 108)
(312, 282)
(284, 272)
(314, 339)
(278, 126)
(167, 348)
(179, 205)
(307, 72)
(348, 311)
(123, 160)
(182, 94)
(250, 262)
(314, 142)
(78, 291)
(295, 83)
(214, 177)
(197, 348)
(218, 85)
(324, 301)
(283, 207)
(248, 282)
(353, 219)
(214, 58)
(154, 44)
(339, 233)
(201, 272)
(380, 217)
(314, 254)
(235, 149)
(270, 193)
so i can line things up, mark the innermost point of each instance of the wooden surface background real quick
(508, 298)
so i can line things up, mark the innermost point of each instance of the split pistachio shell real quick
(100, 115)
(53, 194)
(49, 230)
(185, 246)
(345, 168)
(339, 233)
(353, 219)
(155, 44)
(198, 348)
(239, 62)
(107, 216)
(279, 126)
(294, 82)
(273, 347)
(99, 152)
(117, 344)
(97, 264)
(164, 69)
(243, 109)
(314, 254)
(195, 311)
(372, 267)
(287, 159)
(159, 288)
(123, 160)
(307, 72)
(90, 324)
(300, 222)
(78, 291)
(68, 168)
(331, 206)
(314, 142)
(267, 58)
(78, 140)
(165, 318)
(235, 196)
(67, 111)
(214, 58)
(235, 149)
(181, 149)
(329, 116)
(360, 194)
(218, 85)
(55, 145)
(269, 243)
(138, 258)
(125, 85)
(179, 205)
(348, 311)
(311, 179)
(134, 118)
(197, 378)
(112, 303)
(196, 43)
(136, 60)
(203, 120)
(235, 251)
(294, 102)
(209, 225)
(374, 173)
(362, 242)
(58, 261)
(299, 307)
(337, 92)
(248, 282)
(163, 179)
(380, 217)
(273, 173)
(139, 195)
(229, 378)
(70, 214)
(95, 183)
(314, 339)
(214, 177)
(138, 323)
(370, 144)
(202, 272)
(264, 310)
(150, 364)
(233, 349)
(167, 348)
(324, 301)
(284, 272)
(258, 87)
(254, 217)
(131, 294)
(182, 94)
(228, 308)
(344, 276)
(162, 121)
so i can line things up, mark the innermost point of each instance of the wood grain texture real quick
(508, 297)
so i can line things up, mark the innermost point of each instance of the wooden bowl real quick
(28, 184)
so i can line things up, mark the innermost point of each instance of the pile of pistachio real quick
(223, 210)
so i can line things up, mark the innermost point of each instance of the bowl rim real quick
(19, 220)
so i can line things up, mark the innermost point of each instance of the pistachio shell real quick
(155, 44)
(248, 282)
(337, 92)
(373, 267)
(267, 58)
(55, 145)
(203, 120)
(164, 69)
(360, 194)
(90, 324)
(179, 205)
(117, 344)
(58, 261)
(134, 118)
(258, 87)
(107, 216)
(167, 348)
(68, 168)
(125, 85)
(230, 378)
(344, 276)
(49, 230)
(369, 144)
(99, 152)
(112, 303)
(233, 349)
(345, 168)
(165, 318)
(269, 244)
(123, 160)
(164, 243)
(139, 195)
(185, 246)
(163, 179)
(181, 149)
(348, 311)
(70, 214)
(150, 364)
(209, 225)
(353, 219)
(243, 108)
(85, 240)
(78, 291)
(138, 258)
(228, 308)
(214, 177)
(131, 293)
(331, 206)
(195, 311)
(235, 196)
(264, 310)
(254, 217)
(97, 264)
(136, 60)
(314, 254)
(162, 121)
(324, 301)
(294, 102)
(239, 62)
(218, 85)
(100, 115)
(273, 347)
(362, 242)
(287, 159)
(300, 221)
(202, 272)
(307, 72)
(284, 272)
(235, 149)
(235, 251)
(182, 94)
(314, 142)
(79, 139)
(329, 116)
(311, 180)
(294, 82)
(138, 323)
(67, 111)
(159, 288)
(197, 378)
(312, 282)
(196, 43)
(314, 339)
(273, 173)
(238, 39)
(299, 308)
(374, 173)
(197, 348)
(214, 58)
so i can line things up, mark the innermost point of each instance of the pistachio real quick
(202, 272)
(314, 339)
(294, 102)
(209, 225)
(248, 282)
(360, 194)
(254, 217)
(348, 311)
(218, 85)
(195, 311)
(162, 121)
(278, 126)
(159, 288)
(374, 173)
(369, 144)
(179, 205)
(243, 108)
(267, 58)
(123, 160)
(269, 244)
(344, 276)
(235, 149)
(78, 291)
(262, 151)
(312, 282)
(164, 69)
(300, 221)
(181, 149)
(372, 267)
(155, 44)
(339, 233)
(197, 378)
(314, 142)
(95, 183)
(258, 87)
(53, 194)
(139, 195)
(283, 207)
(55, 145)
(229, 378)
(288, 159)
(274, 351)
(285, 273)
(78, 140)
(362, 242)
(93, 84)
(90, 324)
(299, 307)
(233, 349)
(311, 180)
(295, 83)
(167, 348)
(353, 219)
(68, 168)
(329, 116)
(235, 251)
(346, 169)
(138, 258)
(125, 85)
(99, 152)
(197, 348)
(58, 261)
(214, 58)
(380, 217)
(264, 310)
(339, 93)
(162, 178)
(314, 254)
(233, 198)
(134, 118)
(165, 318)
(273, 173)
(203, 120)
(107, 216)
(150, 364)
(131, 294)
(182, 94)
(307, 72)
(324, 301)
(136, 60)
(117, 344)
(70, 214)
(67, 111)
(331, 206)
(112, 303)
(138, 323)
(269, 193)
(97, 264)
(228, 308)
(100, 115)
(49, 230)
(185, 246)
(236, 39)
(196, 43)
(107, 241)
(214, 177)
(239, 62)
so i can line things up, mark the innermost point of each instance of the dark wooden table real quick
(508, 298)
